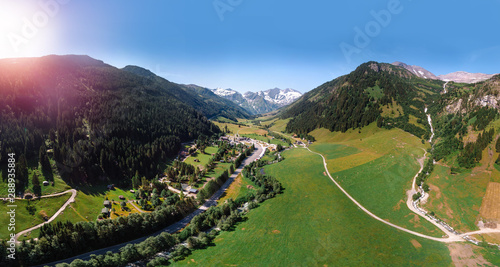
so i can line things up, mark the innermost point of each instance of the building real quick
(45, 183)
(105, 211)
(193, 191)
(107, 204)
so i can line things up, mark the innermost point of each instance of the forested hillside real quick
(466, 118)
(100, 121)
(202, 99)
(390, 95)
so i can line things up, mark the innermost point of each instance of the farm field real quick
(490, 209)
(313, 224)
(457, 198)
(240, 187)
(376, 167)
(233, 128)
(279, 125)
(44, 207)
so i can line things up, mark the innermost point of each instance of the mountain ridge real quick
(99, 120)
(458, 76)
(262, 101)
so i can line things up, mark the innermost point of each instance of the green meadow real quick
(43, 207)
(202, 157)
(376, 167)
(314, 224)
(267, 139)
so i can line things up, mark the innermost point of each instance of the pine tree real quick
(21, 173)
(37, 189)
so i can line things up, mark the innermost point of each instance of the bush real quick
(425, 187)
(158, 261)
(43, 215)
(30, 208)
(180, 253)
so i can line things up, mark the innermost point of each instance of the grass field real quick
(202, 157)
(45, 206)
(376, 167)
(33, 167)
(414, 120)
(313, 224)
(122, 213)
(490, 209)
(394, 110)
(89, 201)
(457, 198)
(265, 139)
(233, 128)
(216, 172)
(279, 125)
(238, 188)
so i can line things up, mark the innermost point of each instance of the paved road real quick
(257, 154)
(69, 201)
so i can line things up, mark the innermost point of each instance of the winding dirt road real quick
(375, 216)
(61, 209)
(451, 236)
(409, 202)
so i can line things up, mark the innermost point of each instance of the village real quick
(194, 167)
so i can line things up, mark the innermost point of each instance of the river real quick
(430, 124)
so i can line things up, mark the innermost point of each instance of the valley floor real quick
(313, 223)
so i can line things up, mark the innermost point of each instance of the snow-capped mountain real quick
(465, 77)
(417, 70)
(262, 101)
(224, 92)
(459, 76)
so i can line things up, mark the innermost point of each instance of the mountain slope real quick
(100, 121)
(465, 77)
(417, 70)
(200, 98)
(392, 95)
(262, 101)
(459, 76)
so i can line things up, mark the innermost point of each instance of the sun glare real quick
(26, 28)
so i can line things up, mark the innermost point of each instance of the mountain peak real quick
(417, 70)
(465, 77)
(262, 101)
(139, 71)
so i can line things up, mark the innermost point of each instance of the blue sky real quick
(251, 45)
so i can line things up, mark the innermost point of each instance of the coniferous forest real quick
(97, 120)
(356, 100)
